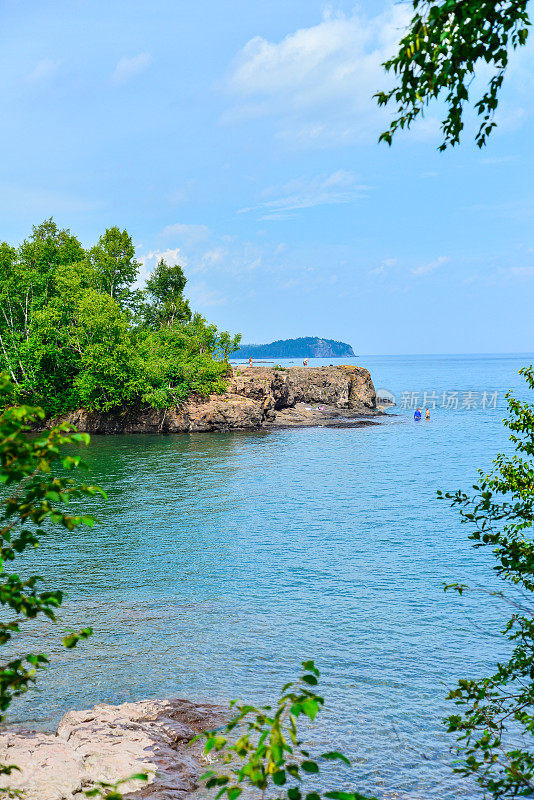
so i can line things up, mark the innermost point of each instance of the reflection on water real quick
(223, 560)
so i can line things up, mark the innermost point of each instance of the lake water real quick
(223, 560)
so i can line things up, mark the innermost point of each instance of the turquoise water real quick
(223, 560)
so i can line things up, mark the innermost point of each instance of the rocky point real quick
(257, 397)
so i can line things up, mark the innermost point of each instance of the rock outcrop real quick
(110, 743)
(257, 397)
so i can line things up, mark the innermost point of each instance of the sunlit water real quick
(223, 560)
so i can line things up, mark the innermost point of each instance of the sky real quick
(240, 140)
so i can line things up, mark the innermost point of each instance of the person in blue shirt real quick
(417, 415)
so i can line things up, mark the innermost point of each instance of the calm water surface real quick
(223, 560)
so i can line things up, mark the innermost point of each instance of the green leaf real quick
(310, 707)
(310, 766)
(333, 755)
(347, 796)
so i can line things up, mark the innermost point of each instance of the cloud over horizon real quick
(318, 82)
(128, 68)
(301, 193)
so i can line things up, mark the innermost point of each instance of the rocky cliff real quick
(257, 397)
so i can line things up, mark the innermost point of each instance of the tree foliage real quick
(260, 751)
(75, 332)
(446, 41)
(495, 720)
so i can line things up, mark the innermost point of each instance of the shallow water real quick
(223, 560)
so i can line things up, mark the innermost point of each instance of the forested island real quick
(304, 347)
(75, 332)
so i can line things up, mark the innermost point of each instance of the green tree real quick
(27, 280)
(14, 310)
(164, 289)
(495, 720)
(74, 332)
(48, 248)
(227, 344)
(110, 372)
(446, 41)
(113, 260)
(179, 361)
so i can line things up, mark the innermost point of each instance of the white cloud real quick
(498, 160)
(338, 187)
(319, 81)
(212, 257)
(188, 234)
(150, 260)
(171, 256)
(130, 67)
(204, 296)
(200, 251)
(431, 266)
(44, 70)
(520, 272)
(385, 265)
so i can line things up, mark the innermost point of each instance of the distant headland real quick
(305, 347)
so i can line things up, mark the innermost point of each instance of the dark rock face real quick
(257, 397)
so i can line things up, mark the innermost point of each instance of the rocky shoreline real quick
(257, 398)
(110, 743)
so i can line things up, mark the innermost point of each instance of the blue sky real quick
(240, 139)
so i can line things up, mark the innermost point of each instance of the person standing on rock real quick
(250, 361)
(305, 362)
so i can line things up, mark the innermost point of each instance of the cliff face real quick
(341, 387)
(257, 397)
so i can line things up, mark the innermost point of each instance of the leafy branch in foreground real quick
(261, 750)
(445, 43)
(495, 722)
(32, 497)
(110, 791)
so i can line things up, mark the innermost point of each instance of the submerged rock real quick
(110, 743)
(257, 397)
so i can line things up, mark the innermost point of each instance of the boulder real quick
(110, 743)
